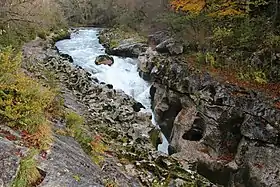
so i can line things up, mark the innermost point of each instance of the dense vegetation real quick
(239, 35)
(22, 20)
(224, 34)
(236, 35)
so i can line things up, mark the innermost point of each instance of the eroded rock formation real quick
(230, 133)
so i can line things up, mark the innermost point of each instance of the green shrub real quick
(28, 173)
(61, 35)
(200, 58)
(42, 34)
(256, 76)
(75, 128)
(16, 35)
(92, 145)
(74, 121)
(23, 101)
(222, 36)
(210, 59)
(272, 41)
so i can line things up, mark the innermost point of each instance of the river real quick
(84, 47)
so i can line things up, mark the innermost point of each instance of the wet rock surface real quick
(104, 59)
(133, 161)
(214, 124)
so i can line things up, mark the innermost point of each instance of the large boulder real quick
(116, 43)
(105, 60)
(158, 37)
(148, 63)
(259, 164)
(170, 46)
(164, 43)
(127, 48)
(67, 160)
(137, 106)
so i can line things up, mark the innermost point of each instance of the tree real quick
(217, 7)
(21, 20)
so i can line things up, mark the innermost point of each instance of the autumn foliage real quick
(188, 5)
(23, 101)
(215, 7)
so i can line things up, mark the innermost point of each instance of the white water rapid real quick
(84, 47)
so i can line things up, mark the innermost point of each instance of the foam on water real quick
(84, 47)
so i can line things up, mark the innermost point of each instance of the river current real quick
(84, 47)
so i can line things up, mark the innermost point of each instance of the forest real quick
(243, 35)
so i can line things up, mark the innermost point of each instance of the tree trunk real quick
(276, 16)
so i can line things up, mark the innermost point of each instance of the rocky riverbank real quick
(111, 117)
(229, 133)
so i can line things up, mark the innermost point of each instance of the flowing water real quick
(84, 47)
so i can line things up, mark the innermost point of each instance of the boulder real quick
(67, 160)
(137, 106)
(104, 59)
(148, 61)
(170, 46)
(115, 45)
(66, 56)
(127, 48)
(158, 37)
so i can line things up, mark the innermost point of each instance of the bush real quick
(257, 76)
(23, 101)
(92, 145)
(61, 35)
(222, 36)
(192, 30)
(28, 173)
(16, 37)
(42, 34)
(74, 122)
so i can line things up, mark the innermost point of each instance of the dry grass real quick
(41, 138)
(231, 76)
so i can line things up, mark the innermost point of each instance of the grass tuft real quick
(28, 173)
(92, 145)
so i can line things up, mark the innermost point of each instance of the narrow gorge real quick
(139, 93)
(155, 119)
(84, 48)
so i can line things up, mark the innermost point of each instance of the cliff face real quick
(230, 133)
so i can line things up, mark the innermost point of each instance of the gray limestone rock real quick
(9, 161)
